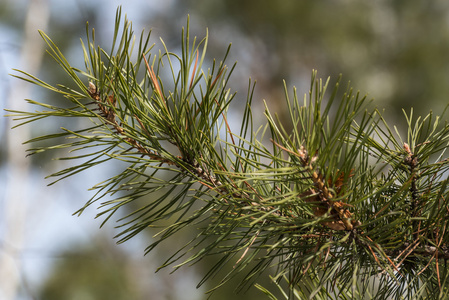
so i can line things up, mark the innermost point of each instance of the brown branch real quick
(109, 116)
(412, 162)
(322, 195)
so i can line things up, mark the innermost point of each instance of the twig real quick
(324, 196)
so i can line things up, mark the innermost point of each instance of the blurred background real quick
(396, 51)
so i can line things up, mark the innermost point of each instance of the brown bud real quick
(92, 88)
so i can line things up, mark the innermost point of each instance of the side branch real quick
(109, 116)
(321, 195)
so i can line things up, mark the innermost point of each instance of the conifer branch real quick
(338, 200)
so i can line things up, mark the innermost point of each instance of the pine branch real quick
(328, 206)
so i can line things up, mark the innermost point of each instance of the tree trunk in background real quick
(18, 167)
